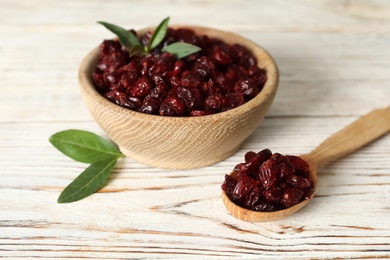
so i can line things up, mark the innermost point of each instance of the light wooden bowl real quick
(181, 142)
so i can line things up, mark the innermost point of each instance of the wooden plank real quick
(333, 58)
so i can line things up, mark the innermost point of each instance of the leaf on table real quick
(84, 146)
(88, 182)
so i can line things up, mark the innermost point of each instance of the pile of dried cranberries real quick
(219, 77)
(269, 182)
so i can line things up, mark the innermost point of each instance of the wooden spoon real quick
(361, 132)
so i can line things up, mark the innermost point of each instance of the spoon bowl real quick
(361, 132)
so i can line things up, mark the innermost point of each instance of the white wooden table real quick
(334, 59)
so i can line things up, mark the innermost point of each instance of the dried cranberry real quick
(199, 113)
(239, 167)
(243, 187)
(247, 88)
(299, 164)
(252, 166)
(162, 65)
(229, 184)
(190, 80)
(269, 182)
(268, 173)
(175, 81)
(223, 82)
(191, 97)
(203, 67)
(150, 106)
(172, 106)
(220, 56)
(298, 181)
(285, 169)
(111, 54)
(267, 207)
(158, 93)
(142, 87)
(308, 192)
(238, 52)
(151, 109)
(98, 80)
(122, 99)
(214, 102)
(253, 198)
(233, 100)
(273, 195)
(292, 196)
(218, 78)
(250, 155)
(178, 67)
(264, 154)
(257, 75)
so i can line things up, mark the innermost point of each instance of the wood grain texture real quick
(333, 58)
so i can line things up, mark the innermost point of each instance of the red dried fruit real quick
(273, 195)
(203, 67)
(253, 198)
(220, 56)
(266, 207)
(151, 109)
(175, 81)
(243, 187)
(268, 173)
(122, 99)
(172, 106)
(178, 67)
(281, 186)
(298, 181)
(247, 88)
(158, 93)
(291, 197)
(229, 184)
(218, 78)
(252, 163)
(199, 113)
(191, 97)
(285, 169)
(299, 164)
(233, 100)
(214, 102)
(239, 167)
(223, 82)
(190, 80)
(250, 155)
(264, 155)
(142, 87)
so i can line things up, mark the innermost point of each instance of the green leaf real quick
(84, 146)
(158, 34)
(89, 181)
(181, 49)
(126, 38)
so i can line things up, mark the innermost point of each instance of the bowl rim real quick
(269, 88)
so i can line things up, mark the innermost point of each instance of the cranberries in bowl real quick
(180, 113)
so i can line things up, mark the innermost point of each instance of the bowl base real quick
(172, 164)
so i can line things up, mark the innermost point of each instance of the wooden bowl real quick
(181, 142)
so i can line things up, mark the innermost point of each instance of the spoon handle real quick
(361, 132)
